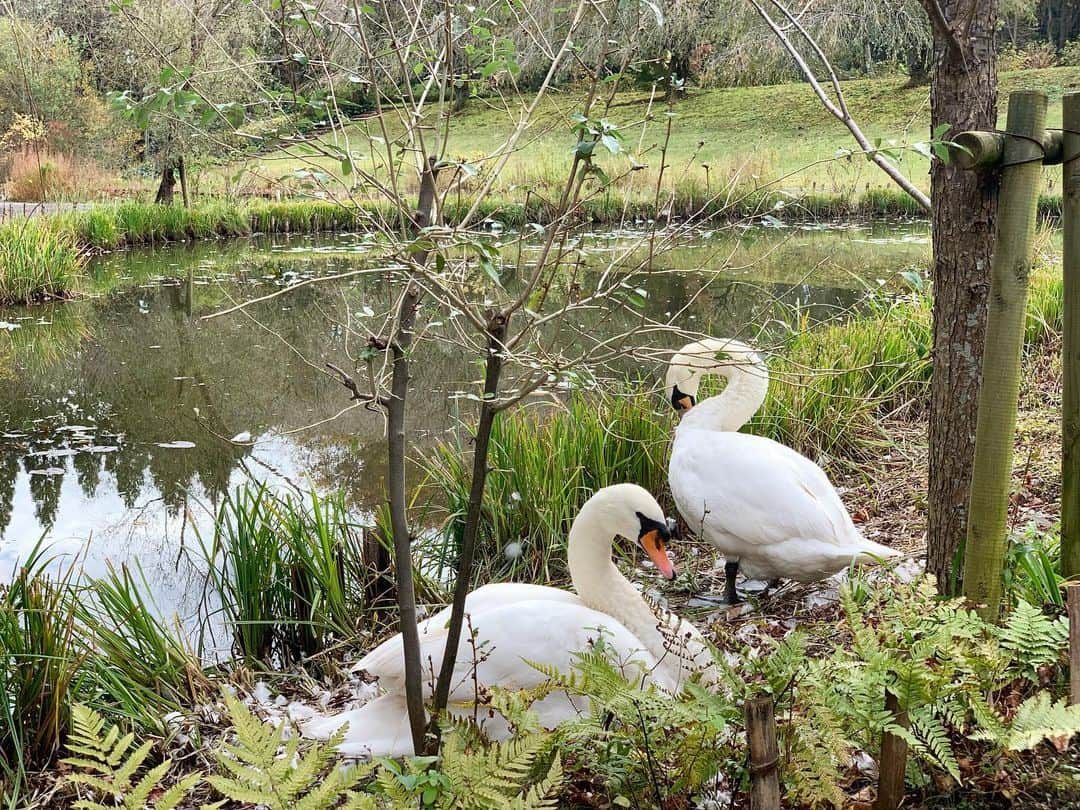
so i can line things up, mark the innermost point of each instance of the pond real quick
(117, 409)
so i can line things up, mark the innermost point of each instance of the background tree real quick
(147, 57)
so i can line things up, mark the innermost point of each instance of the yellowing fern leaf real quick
(108, 769)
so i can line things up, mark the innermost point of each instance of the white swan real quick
(767, 508)
(514, 622)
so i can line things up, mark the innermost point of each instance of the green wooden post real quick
(1070, 348)
(984, 552)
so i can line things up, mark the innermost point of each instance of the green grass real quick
(830, 384)
(544, 465)
(40, 667)
(141, 662)
(751, 139)
(37, 261)
(108, 227)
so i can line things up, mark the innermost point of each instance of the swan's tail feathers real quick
(872, 552)
(379, 728)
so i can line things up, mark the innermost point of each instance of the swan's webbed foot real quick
(731, 571)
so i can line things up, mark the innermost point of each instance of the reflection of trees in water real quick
(44, 486)
(151, 366)
(238, 377)
(9, 469)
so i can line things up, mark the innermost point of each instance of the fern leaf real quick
(931, 731)
(138, 796)
(236, 790)
(1033, 638)
(103, 786)
(1039, 718)
(126, 772)
(172, 797)
(86, 764)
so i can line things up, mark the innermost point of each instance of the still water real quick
(117, 409)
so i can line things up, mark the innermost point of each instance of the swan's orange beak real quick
(656, 548)
(686, 403)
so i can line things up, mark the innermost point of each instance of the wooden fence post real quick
(1072, 600)
(893, 759)
(764, 754)
(984, 552)
(1070, 340)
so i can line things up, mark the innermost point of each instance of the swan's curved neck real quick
(599, 582)
(747, 385)
(676, 645)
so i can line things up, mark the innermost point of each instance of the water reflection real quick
(116, 411)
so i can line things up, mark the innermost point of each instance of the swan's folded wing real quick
(755, 489)
(386, 661)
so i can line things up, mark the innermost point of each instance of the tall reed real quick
(545, 463)
(830, 386)
(40, 659)
(37, 261)
(290, 575)
(144, 667)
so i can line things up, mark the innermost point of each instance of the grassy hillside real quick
(752, 136)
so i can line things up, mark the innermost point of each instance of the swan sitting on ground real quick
(514, 623)
(767, 508)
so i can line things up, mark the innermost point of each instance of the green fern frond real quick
(114, 769)
(264, 768)
(500, 776)
(1033, 638)
(1039, 718)
(931, 732)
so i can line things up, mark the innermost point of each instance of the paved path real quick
(8, 210)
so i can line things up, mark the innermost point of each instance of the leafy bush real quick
(1070, 54)
(1032, 56)
(954, 675)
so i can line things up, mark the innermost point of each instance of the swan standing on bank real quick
(768, 509)
(513, 623)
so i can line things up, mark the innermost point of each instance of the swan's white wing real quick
(750, 491)
(387, 660)
(765, 505)
(505, 638)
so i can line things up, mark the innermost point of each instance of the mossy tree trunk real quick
(964, 95)
(984, 553)
(167, 185)
(1070, 348)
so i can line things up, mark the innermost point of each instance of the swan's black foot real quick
(731, 571)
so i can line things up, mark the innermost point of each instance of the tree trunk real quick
(400, 349)
(919, 62)
(183, 181)
(492, 371)
(1070, 343)
(165, 187)
(963, 94)
(987, 534)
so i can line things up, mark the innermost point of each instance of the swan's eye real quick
(681, 401)
(653, 528)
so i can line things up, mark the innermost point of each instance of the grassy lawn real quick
(749, 136)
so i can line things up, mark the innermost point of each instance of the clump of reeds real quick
(831, 383)
(290, 575)
(544, 466)
(40, 665)
(37, 261)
